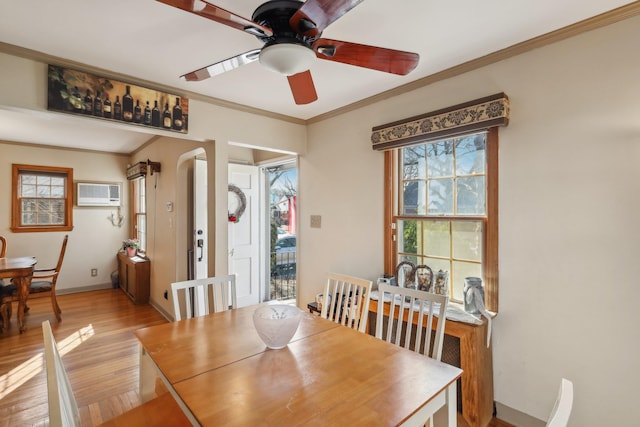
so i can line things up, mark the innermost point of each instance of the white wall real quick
(569, 197)
(94, 240)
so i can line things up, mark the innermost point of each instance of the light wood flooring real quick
(98, 349)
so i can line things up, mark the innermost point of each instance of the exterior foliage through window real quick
(443, 207)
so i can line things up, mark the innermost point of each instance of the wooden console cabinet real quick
(133, 277)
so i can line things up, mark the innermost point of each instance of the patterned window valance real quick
(469, 117)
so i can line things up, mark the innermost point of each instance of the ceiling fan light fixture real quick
(287, 58)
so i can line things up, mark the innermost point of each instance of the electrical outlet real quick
(166, 295)
(316, 221)
(94, 272)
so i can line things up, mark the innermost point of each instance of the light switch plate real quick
(316, 221)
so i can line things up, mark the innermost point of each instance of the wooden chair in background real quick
(562, 408)
(5, 307)
(199, 297)
(63, 408)
(346, 301)
(43, 284)
(406, 305)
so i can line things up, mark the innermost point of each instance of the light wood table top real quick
(12, 267)
(327, 375)
(193, 346)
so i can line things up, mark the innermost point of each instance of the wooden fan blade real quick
(222, 66)
(218, 14)
(302, 88)
(360, 55)
(316, 15)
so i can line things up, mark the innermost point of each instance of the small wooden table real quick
(221, 373)
(21, 271)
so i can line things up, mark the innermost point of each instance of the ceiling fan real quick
(290, 31)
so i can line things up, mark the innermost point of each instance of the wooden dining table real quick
(20, 270)
(221, 373)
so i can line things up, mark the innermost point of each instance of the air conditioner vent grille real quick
(94, 194)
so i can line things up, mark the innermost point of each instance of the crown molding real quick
(611, 17)
(62, 62)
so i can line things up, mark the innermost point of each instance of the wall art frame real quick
(85, 94)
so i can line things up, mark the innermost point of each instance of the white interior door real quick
(244, 235)
(200, 242)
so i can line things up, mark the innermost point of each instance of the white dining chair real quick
(417, 309)
(346, 301)
(562, 408)
(407, 306)
(199, 297)
(63, 408)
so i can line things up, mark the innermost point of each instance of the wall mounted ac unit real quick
(92, 194)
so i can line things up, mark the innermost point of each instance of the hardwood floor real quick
(98, 349)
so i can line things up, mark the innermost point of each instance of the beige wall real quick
(569, 202)
(167, 230)
(94, 240)
(25, 87)
(236, 134)
(569, 186)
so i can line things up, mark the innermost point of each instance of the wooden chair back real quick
(5, 291)
(199, 297)
(562, 408)
(411, 308)
(346, 301)
(63, 409)
(43, 282)
(63, 250)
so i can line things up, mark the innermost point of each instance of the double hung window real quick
(444, 208)
(42, 198)
(138, 186)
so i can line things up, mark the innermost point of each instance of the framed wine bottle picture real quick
(77, 92)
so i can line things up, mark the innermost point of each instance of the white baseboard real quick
(160, 310)
(517, 418)
(84, 289)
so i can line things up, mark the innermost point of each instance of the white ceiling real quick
(154, 42)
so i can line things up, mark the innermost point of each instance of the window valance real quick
(472, 116)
